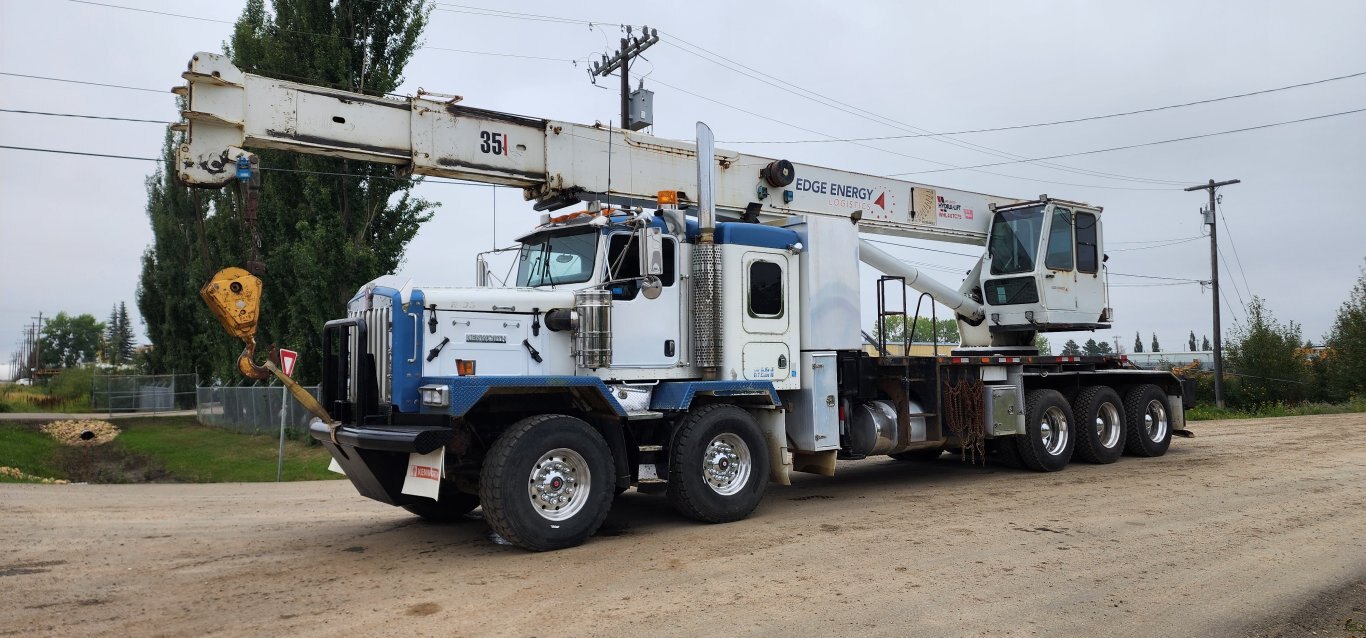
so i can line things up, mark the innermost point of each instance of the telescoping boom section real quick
(557, 163)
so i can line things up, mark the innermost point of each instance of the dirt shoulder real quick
(1231, 533)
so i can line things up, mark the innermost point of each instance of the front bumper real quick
(376, 458)
(399, 438)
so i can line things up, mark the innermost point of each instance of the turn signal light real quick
(668, 198)
(464, 367)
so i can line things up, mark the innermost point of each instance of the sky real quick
(73, 229)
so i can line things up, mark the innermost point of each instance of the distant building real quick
(1155, 360)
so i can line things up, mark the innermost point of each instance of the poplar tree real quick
(327, 225)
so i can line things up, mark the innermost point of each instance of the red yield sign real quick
(287, 360)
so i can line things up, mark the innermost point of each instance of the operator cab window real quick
(1059, 256)
(623, 263)
(765, 289)
(1088, 258)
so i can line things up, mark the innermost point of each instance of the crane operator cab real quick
(1044, 270)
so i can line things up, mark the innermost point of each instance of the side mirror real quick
(650, 287)
(651, 242)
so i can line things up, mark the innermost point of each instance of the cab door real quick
(644, 331)
(1058, 277)
(1090, 260)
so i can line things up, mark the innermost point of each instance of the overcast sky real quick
(72, 229)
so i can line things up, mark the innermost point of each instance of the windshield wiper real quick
(545, 264)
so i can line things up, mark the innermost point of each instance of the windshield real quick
(1015, 239)
(547, 260)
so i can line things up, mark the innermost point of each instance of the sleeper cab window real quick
(765, 289)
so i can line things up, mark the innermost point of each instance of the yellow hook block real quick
(234, 296)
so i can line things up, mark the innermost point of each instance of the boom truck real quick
(692, 330)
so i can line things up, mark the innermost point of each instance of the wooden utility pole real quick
(631, 47)
(1210, 216)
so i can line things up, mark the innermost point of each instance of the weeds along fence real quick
(121, 393)
(253, 409)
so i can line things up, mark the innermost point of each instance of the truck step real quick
(643, 415)
(650, 448)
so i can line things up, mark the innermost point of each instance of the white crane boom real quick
(557, 163)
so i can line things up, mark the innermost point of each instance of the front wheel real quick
(718, 465)
(1046, 445)
(547, 482)
(1150, 432)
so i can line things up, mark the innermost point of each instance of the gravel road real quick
(1253, 528)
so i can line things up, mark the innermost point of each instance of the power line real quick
(1120, 274)
(425, 180)
(1231, 307)
(1167, 141)
(868, 115)
(312, 33)
(1170, 243)
(1236, 292)
(1173, 283)
(1154, 241)
(112, 86)
(1058, 122)
(933, 250)
(91, 117)
(891, 152)
(499, 13)
(808, 94)
(1219, 204)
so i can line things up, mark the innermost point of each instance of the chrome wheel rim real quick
(1155, 421)
(1053, 430)
(1108, 425)
(559, 484)
(726, 464)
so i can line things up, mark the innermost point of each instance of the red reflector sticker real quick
(425, 472)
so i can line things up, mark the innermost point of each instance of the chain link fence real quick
(118, 393)
(253, 409)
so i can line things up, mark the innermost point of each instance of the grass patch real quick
(1210, 412)
(161, 449)
(37, 399)
(199, 454)
(29, 451)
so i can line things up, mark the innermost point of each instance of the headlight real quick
(437, 396)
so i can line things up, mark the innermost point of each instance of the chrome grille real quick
(378, 343)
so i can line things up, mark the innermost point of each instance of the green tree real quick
(946, 330)
(1156, 348)
(1094, 348)
(1043, 346)
(1138, 343)
(118, 337)
(1345, 357)
(1071, 349)
(1190, 344)
(327, 225)
(1204, 345)
(1267, 355)
(69, 341)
